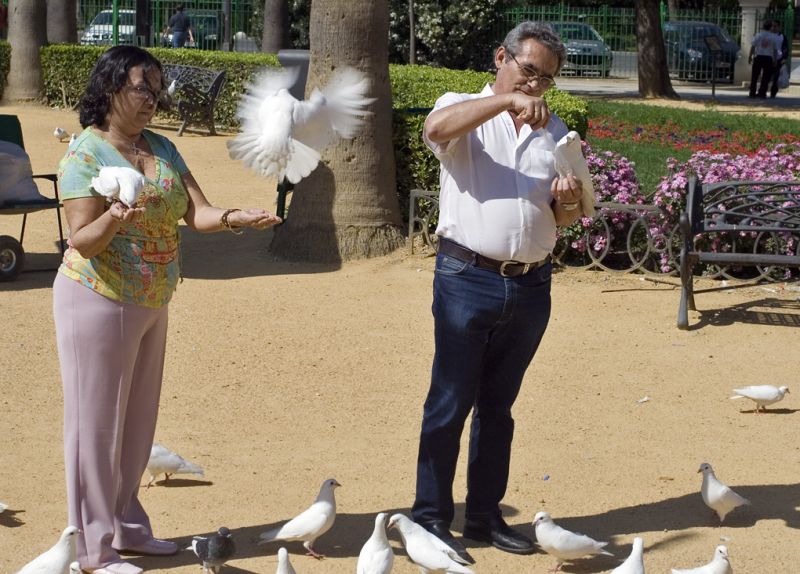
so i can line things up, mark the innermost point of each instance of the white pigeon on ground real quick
(3, 507)
(570, 161)
(122, 183)
(563, 544)
(214, 550)
(762, 395)
(282, 136)
(634, 563)
(172, 88)
(284, 566)
(61, 134)
(312, 523)
(57, 560)
(164, 461)
(718, 565)
(72, 139)
(427, 551)
(376, 556)
(717, 496)
(75, 568)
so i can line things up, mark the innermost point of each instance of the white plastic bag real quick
(783, 78)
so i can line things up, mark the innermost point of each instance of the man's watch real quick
(570, 206)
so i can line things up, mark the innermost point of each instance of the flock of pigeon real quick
(281, 137)
(426, 551)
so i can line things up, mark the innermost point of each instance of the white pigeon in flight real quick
(563, 544)
(284, 566)
(282, 136)
(57, 560)
(762, 395)
(61, 134)
(427, 551)
(570, 161)
(376, 556)
(312, 523)
(718, 565)
(717, 496)
(634, 563)
(122, 183)
(164, 461)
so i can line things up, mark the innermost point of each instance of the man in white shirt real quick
(500, 202)
(764, 51)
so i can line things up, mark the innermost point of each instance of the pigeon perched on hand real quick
(718, 565)
(214, 550)
(427, 551)
(312, 523)
(122, 183)
(563, 544)
(570, 161)
(164, 461)
(717, 496)
(634, 563)
(61, 134)
(762, 395)
(284, 566)
(282, 136)
(376, 556)
(57, 560)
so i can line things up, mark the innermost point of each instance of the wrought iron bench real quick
(758, 222)
(196, 93)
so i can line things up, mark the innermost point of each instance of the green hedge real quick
(5, 59)
(66, 69)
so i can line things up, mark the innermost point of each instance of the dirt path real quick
(280, 375)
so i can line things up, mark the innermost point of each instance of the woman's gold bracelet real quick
(224, 222)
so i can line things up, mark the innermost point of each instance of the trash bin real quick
(298, 58)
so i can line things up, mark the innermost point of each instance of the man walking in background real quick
(181, 27)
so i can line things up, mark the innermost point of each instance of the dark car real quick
(587, 52)
(689, 56)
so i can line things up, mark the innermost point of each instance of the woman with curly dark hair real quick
(110, 301)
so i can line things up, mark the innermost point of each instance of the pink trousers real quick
(112, 361)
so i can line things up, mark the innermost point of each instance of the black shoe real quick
(442, 532)
(496, 532)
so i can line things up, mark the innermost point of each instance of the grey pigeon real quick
(761, 395)
(718, 565)
(717, 496)
(310, 524)
(164, 461)
(215, 550)
(57, 560)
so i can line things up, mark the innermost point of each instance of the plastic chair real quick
(12, 255)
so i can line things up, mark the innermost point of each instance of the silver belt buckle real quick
(525, 267)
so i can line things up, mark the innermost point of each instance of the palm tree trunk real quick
(27, 32)
(654, 79)
(347, 208)
(276, 26)
(62, 22)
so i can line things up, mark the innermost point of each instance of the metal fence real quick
(96, 23)
(601, 40)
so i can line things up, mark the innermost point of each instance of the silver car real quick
(587, 52)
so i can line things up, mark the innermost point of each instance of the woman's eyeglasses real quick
(532, 76)
(144, 92)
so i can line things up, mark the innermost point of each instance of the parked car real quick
(587, 52)
(100, 32)
(206, 30)
(688, 53)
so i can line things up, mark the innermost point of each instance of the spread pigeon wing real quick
(569, 160)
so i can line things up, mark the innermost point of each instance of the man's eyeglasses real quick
(144, 92)
(532, 76)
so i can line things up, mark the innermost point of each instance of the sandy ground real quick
(280, 375)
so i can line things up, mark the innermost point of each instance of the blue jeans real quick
(179, 39)
(486, 329)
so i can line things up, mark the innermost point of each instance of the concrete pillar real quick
(741, 73)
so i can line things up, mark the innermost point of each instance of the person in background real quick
(110, 301)
(181, 28)
(783, 55)
(763, 55)
(500, 203)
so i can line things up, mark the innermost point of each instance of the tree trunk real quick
(654, 79)
(62, 22)
(27, 32)
(276, 26)
(674, 6)
(347, 208)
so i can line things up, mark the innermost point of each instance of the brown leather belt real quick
(504, 268)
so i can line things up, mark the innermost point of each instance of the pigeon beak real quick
(336, 483)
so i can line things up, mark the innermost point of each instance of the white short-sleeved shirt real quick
(495, 186)
(767, 43)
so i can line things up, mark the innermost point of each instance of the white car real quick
(101, 31)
